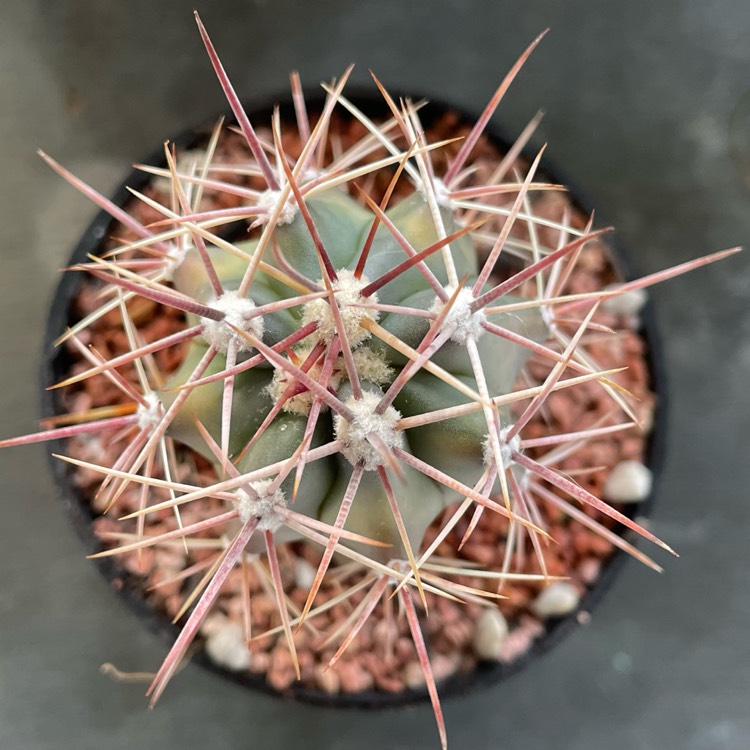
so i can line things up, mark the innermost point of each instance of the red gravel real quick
(382, 657)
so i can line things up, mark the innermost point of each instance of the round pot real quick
(56, 363)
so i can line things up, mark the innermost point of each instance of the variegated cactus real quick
(350, 371)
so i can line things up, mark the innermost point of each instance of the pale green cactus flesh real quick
(454, 445)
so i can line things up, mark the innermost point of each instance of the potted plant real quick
(374, 369)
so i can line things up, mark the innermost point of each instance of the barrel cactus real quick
(352, 370)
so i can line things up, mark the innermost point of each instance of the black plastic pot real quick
(56, 363)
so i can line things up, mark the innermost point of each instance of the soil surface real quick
(382, 656)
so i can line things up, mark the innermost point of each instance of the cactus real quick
(352, 369)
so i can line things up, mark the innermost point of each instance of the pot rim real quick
(79, 511)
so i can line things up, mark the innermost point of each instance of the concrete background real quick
(647, 109)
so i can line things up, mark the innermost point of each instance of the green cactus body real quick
(454, 445)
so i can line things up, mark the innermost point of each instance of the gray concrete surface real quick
(639, 99)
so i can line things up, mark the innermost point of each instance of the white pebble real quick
(304, 573)
(490, 632)
(413, 676)
(558, 599)
(225, 646)
(629, 482)
(627, 303)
